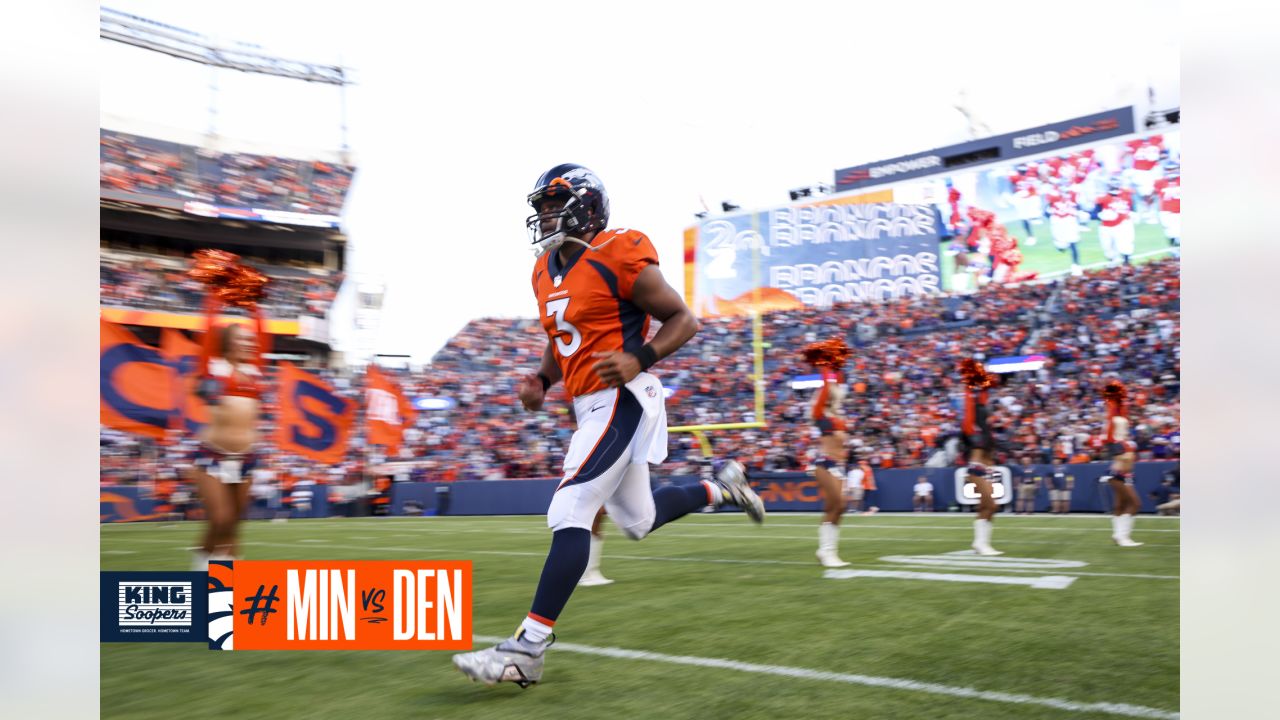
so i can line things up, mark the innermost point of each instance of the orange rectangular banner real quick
(340, 605)
(387, 410)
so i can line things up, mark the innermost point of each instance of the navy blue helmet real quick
(585, 211)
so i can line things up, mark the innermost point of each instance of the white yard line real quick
(1040, 582)
(675, 532)
(647, 558)
(1120, 709)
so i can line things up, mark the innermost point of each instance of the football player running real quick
(597, 289)
(1116, 233)
(1169, 188)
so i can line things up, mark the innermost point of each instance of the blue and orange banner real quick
(147, 390)
(136, 384)
(387, 410)
(315, 422)
(183, 355)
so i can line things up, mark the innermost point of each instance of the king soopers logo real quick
(147, 604)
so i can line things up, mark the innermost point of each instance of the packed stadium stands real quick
(149, 281)
(902, 406)
(140, 165)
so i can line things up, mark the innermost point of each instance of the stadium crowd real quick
(902, 406)
(134, 164)
(153, 282)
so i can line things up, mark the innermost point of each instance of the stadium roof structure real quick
(187, 45)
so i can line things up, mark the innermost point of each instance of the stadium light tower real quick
(370, 294)
(187, 45)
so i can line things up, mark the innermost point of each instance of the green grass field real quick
(1149, 244)
(712, 586)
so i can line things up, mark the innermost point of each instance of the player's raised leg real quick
(599, 454)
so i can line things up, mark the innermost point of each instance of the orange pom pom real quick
(244, 287)
(974, 375)
(1115, 392)
(214, 267)
(831, 353)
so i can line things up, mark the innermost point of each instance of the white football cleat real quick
(509, 661)
(592, 578)
(1125, 542)
(986, 550)
(831, 560)
(732, 479)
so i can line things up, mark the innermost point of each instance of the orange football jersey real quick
(586, 307)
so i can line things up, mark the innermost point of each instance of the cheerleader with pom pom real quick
(829, 357)
(979, 445)
(230, 379)
(1123, 452)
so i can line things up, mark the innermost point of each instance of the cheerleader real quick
(979, 447)
(1123, 452)
(231, 374)
(828, 357)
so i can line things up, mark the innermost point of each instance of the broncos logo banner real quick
(136, 388)
(184, 357)
(315, 422)
(387, 411)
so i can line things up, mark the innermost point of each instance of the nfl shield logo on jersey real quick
(650, 391)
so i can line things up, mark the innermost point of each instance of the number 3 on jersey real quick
(558, 309)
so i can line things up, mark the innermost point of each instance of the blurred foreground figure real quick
(231, 374)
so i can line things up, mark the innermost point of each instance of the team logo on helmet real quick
(585, 211)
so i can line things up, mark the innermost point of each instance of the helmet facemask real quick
(570, 219)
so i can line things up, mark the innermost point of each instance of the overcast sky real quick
(460, 106)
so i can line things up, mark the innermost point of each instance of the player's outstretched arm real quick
(652, 294)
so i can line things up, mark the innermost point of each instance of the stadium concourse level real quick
(134, 164)
(903, 405)
(155, 281)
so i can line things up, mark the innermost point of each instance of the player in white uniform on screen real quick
(1145, 156)
(1169, 188)
(1064, 222)
(1115, 231)
(1027, 205)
